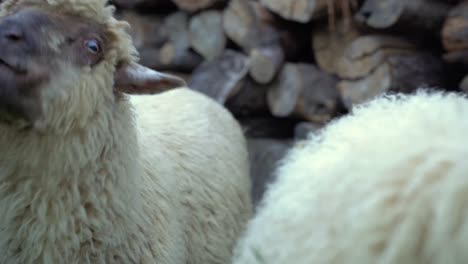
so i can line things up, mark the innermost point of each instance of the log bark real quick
(297, 10)
(250, 24)
(241, 24)
(143, 4)
(459, 56)
(262, 13)
(366, 53)
(175, 53)
(126, 3)
(146, 30)
(283, 94)
(303, 11)
(266, 61)
(244, 26)
(404, 72)
(303, 90)
(283, 73)
(195, 5)
(250, 100)
(222, 77)
(329, 46)
(416, 15)
(163, 44)
(455, 32)
(177, 28)
(464, 85)
(374, 64)
(319, 100)
(346, 7)
(360, 90)
(207, 35)
(171, 58)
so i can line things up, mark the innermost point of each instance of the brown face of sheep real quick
(34, 47)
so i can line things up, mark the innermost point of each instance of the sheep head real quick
(63, 62)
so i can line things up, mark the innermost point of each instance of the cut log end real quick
(455, 29)
(303, 90)
(416, 15)
(222, 77)
(298, 11)
(283, 94)
(405, 72)
(346, 7)
(265, 63)
(464, 85)
(195, 5)
(207, 35)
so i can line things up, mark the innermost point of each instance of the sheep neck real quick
(82, 185)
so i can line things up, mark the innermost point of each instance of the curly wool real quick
(386, 184)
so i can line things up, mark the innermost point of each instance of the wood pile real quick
(285, 68)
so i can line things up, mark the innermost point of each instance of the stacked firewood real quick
(285, 68)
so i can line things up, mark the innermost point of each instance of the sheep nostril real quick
(14, 37)
(365, 14)
(13, 34)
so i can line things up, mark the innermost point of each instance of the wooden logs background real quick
(285, 68)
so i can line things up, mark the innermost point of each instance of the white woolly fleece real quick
(174, 188)
(114, 178)
(386, 184)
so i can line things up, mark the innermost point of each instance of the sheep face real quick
(60, 70)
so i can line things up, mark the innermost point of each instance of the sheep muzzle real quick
(20, 74)
(19, 99)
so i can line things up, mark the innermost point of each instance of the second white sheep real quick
(386, 184)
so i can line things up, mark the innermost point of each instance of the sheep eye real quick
(93, 46)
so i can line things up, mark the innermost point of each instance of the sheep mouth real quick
(18, 92)
(15, 69)
(13, 119)
(19, 113)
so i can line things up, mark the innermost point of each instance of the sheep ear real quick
(133, 78)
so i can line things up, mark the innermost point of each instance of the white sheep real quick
(90, 174)
(386, 184)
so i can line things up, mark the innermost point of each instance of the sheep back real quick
(194, 154)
